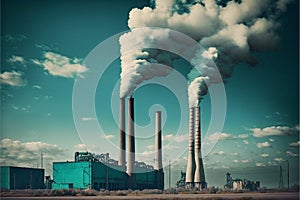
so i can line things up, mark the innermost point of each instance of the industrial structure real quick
(21, 178)
(195, 177)
(240, 184)
(101, 172)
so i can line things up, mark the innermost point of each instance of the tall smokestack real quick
(122, 143)
(190, 169)
(199, 173)
(158, 152)
(131, 145)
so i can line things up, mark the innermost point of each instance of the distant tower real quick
(280, 179)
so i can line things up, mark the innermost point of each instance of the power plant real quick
(195, 177)
(101, 172)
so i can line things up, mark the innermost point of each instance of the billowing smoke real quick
(144, 55)
(231, 31)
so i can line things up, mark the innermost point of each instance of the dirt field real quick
(244, 196)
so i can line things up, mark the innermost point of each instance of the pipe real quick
(190, 169)
(199, 178)
(122, 143)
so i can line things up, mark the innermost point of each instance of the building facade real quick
(21, 178)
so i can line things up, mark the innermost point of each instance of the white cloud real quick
(260, 165)
(89, 148)
(37, 87)
(274, 130)
(219, 136)
(264, 155)
(234, 153)
(59, 65)
(271, 140)
(263, 145)
(107, 136)
(236, 161)
(246, 142)
(88, 119)
(295, 144)
(242, 136)
(220, 153)
(27, 154)
(13, 78)
(289, 153)
(278, 159)
(175, 138)
(16, 59)
(245, 161)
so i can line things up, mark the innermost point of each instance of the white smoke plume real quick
(232, 29)
(144, 55)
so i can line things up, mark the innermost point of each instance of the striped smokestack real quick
(190, 169)
(131, 145)
(122, 143)
(199, 173)
(158, 153)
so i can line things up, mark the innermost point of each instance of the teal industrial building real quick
(21, 178)
(101, 172)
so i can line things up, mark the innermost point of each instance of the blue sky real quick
(43, 43)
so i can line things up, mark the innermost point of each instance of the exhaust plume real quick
(231, 31)
(140, 62)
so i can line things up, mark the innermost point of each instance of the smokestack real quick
(190, 169)
(199, 173)
(122, 143)
(158, 153)
(131, 145)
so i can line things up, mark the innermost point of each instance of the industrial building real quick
(21, 178)
(240, 184)
(101, 172)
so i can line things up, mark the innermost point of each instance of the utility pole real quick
(169, 174)
(288, 174)
(280, 179)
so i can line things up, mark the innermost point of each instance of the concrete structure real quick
(21, 178)
(190, 169)
(195, 176)
(199, 179)
(240, 184)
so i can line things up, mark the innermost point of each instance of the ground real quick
(244, 196)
